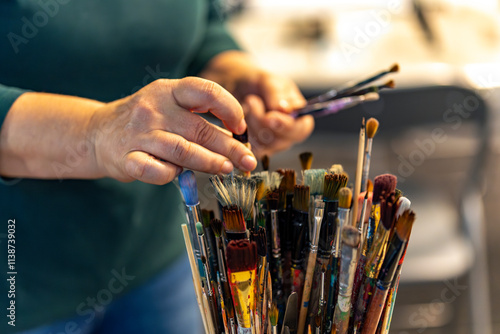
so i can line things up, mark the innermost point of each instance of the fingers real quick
(146, 168)
(200, 95)
(281, 93)
(212, 157)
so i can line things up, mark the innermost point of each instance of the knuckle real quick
(203, 132)
(233, 148)
(182, 150)
(210, 90)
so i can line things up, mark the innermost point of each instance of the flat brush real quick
(241, 259)
(353, 88)
(311, 262)
(234, 223)
(306, 159)
(351, 238)
(299, 235)
(314, 179)
(322, 109)
(371, 130)
(388, 271)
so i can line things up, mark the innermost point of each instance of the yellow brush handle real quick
(311, 263)
(196, 275)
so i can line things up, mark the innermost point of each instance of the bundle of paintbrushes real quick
(315, 256)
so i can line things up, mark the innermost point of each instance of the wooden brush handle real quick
(311, 263)
(374, 311)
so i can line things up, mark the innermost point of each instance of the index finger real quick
(200, 95)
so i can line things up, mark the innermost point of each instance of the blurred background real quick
(439, 131)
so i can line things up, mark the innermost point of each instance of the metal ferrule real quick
(193, 213)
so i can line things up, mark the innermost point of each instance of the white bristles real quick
(271, 179)
(314, 178)
(236, 190)
(403, 205)
(336, 169)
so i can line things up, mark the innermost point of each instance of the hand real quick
(267, 100)
(270, 127)
(152, 135)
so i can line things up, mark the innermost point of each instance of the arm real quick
(148, 136)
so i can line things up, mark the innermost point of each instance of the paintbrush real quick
(351, 238)
(306, 159)
(208, 215)
(243, 138)
(285, 191)
(241, 259)
(322, 109)
(196, 276)
(388, 270)
(299, 235)
(385, 183)
(236, 190)
(318, 216)
(226, 300)
(375, 257)
(275, 245)
(189, 190)
(352, 88)
(371, 129)
(375, 89)
(212, 301)
(290, 318)
(273, 318)
(314, 179)
(259, 237)
(359, 172)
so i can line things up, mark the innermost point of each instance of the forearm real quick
(46, 136)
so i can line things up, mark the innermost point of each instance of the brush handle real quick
(332, 292)
(366, 166)
(196, 275)
(359, 172)
(307, 290)
(375, 310)
(364, 299)
(342, 313)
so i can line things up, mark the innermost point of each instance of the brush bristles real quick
(273, 314)
(207, 216)
(199, 228)
(235, 190)
(315, 179)
(271, 181)
(394, 68)
(288, 181)
(216, 225)
(265, 163)
(272, 200)
(345, 197)
(241, 255)
(189, 189)
(336, 169)
(405, 224)
(306, 159)
(351, 236)
(385, 183)
(333, 183)
(260, 187)
(369, 186)
(301, 198)
(233, 219)
(371, 127)
(388, 208)
(390, 84)
(259, 236)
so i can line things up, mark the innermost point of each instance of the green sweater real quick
(73, 236)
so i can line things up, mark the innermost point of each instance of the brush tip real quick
(199, 228)
(306, 159)
(405, 224)
(394, 68)
(189, 189)
(371, 127)
(369, 186)
(385, 183)
(336, 169)
(351, 236)
(241, 255)
(403, 205)
(216, 225)
(390, 84)
(345, 197)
